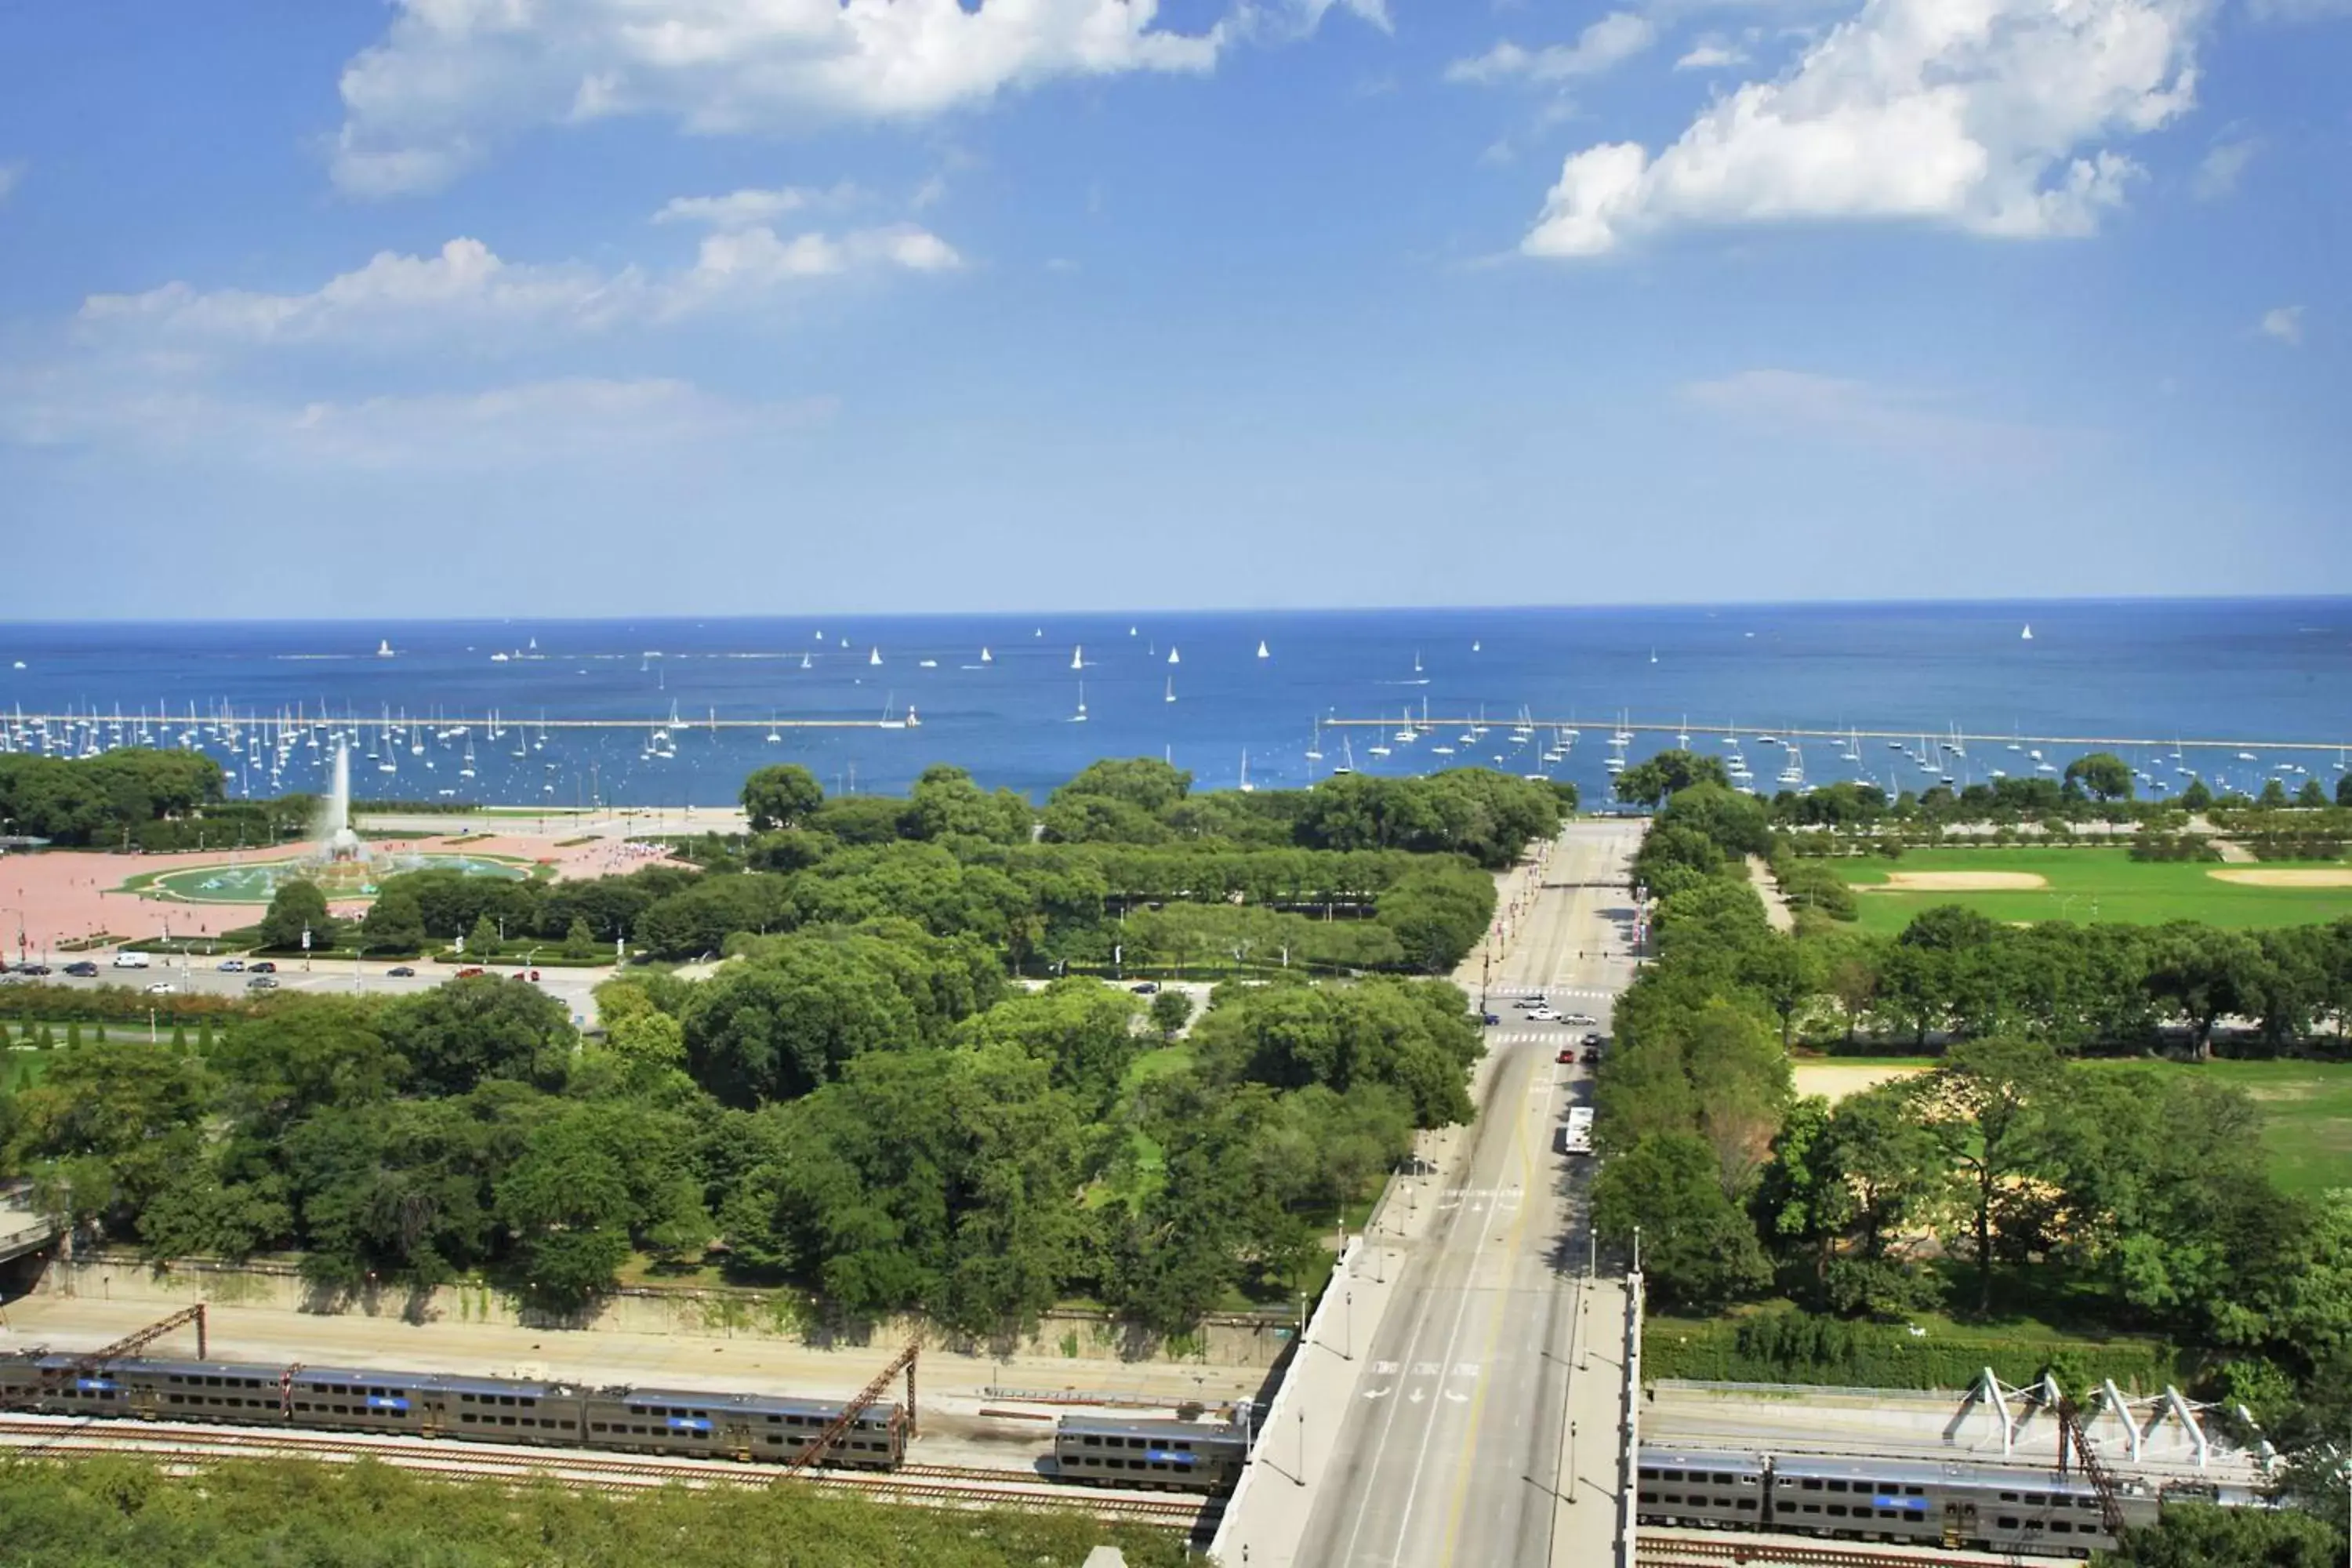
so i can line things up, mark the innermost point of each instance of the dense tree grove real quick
(2008, 1170)
(860, 1102)
(124, 794)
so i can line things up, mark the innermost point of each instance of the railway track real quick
(1652, 1551)
(944, 1486)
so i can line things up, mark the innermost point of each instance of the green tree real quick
(1698, 1251)
(2101, 775)
(2313, 796)
(298, 906)
(1989, 1102)
(1653, 780)
(579, 942)
(2274, 797)
(2198, 798)
(566, 1201)
(464, 1031)
(482, 942)
(1170, 1010)
(780, 796)
(2344, 791)
(2197, 1535)
(395, 922)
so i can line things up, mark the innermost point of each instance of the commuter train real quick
(751, 1427)
(1956, 1505)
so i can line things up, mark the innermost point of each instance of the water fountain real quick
(337, 842)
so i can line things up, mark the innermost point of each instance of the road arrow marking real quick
(1416, 1397)
(1376, 1393)
(1457, 1398)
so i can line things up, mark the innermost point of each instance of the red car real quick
(469, 973)
(1566, 1056)
(533, 976)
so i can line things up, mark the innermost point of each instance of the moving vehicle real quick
(232, 967)
(83, 968)
(1145, 988)
(400, 971)
(1490, 1019)
(159, 988)
(1592, 1056)
(2015, 1508)
(131, 961)
(469, 971)
(262, 982)
(1543, 1016)
(37, 970)
(1178, 1456)
(1566, 1056)
(264, 967)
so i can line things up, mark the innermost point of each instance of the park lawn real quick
(2306, 1115)
(2082, 881)
(22, 1067)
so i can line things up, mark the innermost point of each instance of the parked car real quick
(1593, 1055)
(37, 970)
(400, 971)
(1145, 988)
(82, 969)
(232, 967)
(264, 967)
(262, 982)
(1491, 1020)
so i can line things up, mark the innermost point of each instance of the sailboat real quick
(1348, 752)
(1475, 645)
(1170, 697)
(2026, 635)
(1171, 655)
(986, 657)
(1261, 649)
(804, 662)
(467, 771)
(875, 657)
(1078, 659)
(382, 650)
(1315, 746)
(1247, 788)
(1080, 716)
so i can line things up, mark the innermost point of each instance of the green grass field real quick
(2083, 884)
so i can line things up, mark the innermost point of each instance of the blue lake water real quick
(2252, 674)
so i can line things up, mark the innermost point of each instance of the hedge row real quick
(1799, 1347)
(112, 1004)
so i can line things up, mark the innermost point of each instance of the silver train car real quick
(1180, 1456)
(1981, 1507)
(743, 1427)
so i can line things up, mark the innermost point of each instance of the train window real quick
(2005, 1523)
(2009, 1497)
(1650, 1473)
(1837, 1485)
(596, 1427)
(774, 1441)
(2035, 1499)
(1913, 1491)
(1889, 1512)
(1092, 1441)
(1838, 1510)
(532, 1403)
(1746, 1505)
(1809, 1484)
(2061, 1527)
(1723, 1481)
(211, 1382)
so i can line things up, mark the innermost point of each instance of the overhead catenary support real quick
(815, 1448)
(2117, 1403)
(2072, 1439)
(134, 1342)
(1988, 1390)
(2181, 1408)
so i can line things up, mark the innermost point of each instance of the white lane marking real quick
(1376, 1392)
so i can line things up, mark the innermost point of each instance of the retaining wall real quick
(1234, 1340)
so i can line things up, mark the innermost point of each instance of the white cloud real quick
(466, 289)
(451, 78)
(1609, 42)
(741, 209)
(1712, 54)
(2219, 171)
(11, 175)
(2283, 325)
(577, 421)
(1859, 412)
(1982, 114)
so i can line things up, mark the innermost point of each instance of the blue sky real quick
(748, 306)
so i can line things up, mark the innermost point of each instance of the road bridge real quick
(1461, 1394)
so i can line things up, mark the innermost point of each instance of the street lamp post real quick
(1301, 1476)
(1348, 1353)
(1572, 1464)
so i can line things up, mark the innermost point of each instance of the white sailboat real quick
(1347, 752)
(2026, 635)
(1315, 745)
(382, 650)
(986, 657)
(1171, 696)
(804, 662)
(1171, 655)
(1080, 716)
(875, 657)
(1261, 649)
(1247, 788)
(1078, 657)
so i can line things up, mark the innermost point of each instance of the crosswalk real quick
(1562, 1035)
(1547, 991)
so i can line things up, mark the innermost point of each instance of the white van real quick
(129, 960)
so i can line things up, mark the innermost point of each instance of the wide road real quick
(1453, 1451)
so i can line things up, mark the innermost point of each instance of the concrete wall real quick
(1239, 1341)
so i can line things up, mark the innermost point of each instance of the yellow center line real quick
(1495, 1328)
